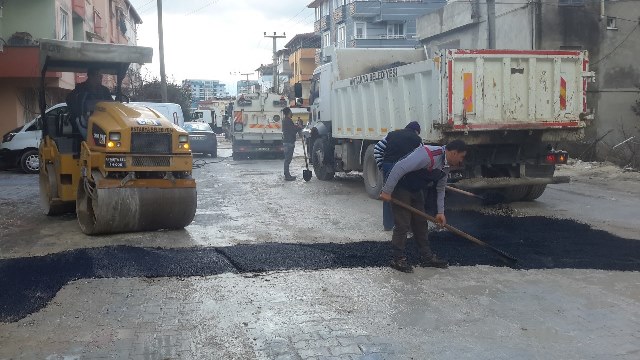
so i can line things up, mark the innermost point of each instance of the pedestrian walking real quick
(289, 132)
(400, 143)
(405, 183)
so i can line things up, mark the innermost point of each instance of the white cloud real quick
(209, 39)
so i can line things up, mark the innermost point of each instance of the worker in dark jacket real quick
(91, 89)
(289, 132)
(405, 183)
(400, 143)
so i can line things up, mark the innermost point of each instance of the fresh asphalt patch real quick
(28, 284)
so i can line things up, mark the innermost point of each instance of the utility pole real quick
(275, 58)
(163, 76)
(246, 82)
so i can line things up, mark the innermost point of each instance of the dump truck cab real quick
(121, 167)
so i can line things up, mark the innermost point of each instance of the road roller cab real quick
(121, 167)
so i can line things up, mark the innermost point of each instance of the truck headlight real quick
(114, 136)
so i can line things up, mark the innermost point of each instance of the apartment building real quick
(202, 90)
(302, 49)
(369, 23)
(23, 23)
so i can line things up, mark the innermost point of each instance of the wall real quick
(42, 25)
(465, 25)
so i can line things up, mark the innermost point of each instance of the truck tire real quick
(373, 179)
(30, 162)
(535, 191)
(318, 159)
(515, 193)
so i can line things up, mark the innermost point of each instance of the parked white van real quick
(211, 117)
(19, 146)
(173, 112)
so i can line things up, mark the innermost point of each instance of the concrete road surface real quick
(293, 270)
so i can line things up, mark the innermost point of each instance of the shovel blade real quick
(307, 174)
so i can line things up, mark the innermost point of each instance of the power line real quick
(212, 2)
(617, 46)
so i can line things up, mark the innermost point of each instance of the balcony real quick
(322, 24)
(340, 14)
(383, 41)
(364, 9)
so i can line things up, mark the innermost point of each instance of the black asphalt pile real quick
(28, 284)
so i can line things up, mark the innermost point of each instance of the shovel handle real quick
(508, 258)
(463, 192)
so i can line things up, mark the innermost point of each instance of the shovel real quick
(491, 199)
(506, 258)
(306, 174)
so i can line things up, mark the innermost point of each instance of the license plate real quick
(115, 162)
(263, 149)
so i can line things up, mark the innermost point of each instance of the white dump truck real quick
(514, 108)
(257, 125)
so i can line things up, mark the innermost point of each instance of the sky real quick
(219, 39)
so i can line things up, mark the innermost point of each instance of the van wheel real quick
(30, 162)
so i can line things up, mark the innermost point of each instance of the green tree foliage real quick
(143, 88)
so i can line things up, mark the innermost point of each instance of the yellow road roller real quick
(120, 167)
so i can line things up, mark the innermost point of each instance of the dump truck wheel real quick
(373, 179)
(49, 191)
(515, 193)
(534, 192)
(319, 160)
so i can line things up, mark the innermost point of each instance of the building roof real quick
(304, 41)
(315, 3)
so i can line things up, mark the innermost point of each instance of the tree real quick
(143, 88)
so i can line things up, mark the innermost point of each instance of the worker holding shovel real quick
(289, 132)
(400, 143)
(405, 182)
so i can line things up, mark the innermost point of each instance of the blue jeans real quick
(387, 213)
(288, 156)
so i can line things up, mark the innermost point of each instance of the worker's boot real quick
(433, 261)
(401, 264)
(289, 178)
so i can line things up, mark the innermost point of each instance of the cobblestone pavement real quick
(460, 313)
(464, 312)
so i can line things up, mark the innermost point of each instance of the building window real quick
(97, 23)
(395, 31)
(326, 39)
(318, 13)
(611, 23)
(64, 30)
(342, 40)
(360, 30)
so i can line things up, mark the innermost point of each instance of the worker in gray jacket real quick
(405, 183)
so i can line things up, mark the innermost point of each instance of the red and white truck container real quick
(514, 108)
